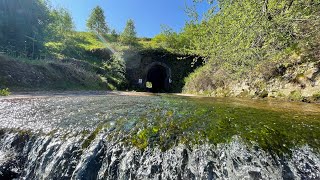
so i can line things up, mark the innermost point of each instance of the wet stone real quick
(255, 175)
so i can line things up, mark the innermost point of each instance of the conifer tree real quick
(97, 21)
(129, 35)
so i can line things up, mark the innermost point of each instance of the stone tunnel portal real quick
(158, 74)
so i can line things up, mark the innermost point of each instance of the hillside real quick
(19, 75)
(253, 49)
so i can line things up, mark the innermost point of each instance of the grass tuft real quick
(5, 92)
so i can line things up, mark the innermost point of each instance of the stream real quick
(145, 136)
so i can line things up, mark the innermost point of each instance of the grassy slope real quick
(80, 45)
(20, 75)
(90, 50)
(66, 73)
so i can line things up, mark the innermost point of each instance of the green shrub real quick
(115, 76)
(228, 42)
(5, 92)
(295, 96)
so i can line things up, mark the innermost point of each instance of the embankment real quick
(294, 82)
(24, 75)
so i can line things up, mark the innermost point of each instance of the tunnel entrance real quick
(158, 75)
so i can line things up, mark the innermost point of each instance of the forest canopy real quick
(24, 26)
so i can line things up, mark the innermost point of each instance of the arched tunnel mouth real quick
(158, 76)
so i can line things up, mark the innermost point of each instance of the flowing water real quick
(87, 136)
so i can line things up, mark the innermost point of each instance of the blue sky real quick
(147, 14)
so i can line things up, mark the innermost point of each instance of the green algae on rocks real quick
(193, 122)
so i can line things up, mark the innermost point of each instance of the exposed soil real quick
(21, 75)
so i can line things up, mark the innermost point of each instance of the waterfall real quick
(36, 156)
(154, 137)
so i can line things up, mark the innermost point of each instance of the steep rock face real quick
(296, 82)
(53, 157)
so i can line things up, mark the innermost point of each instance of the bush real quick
(295, 96)
(244, 41)
(205, 78)
(5, 92)
(115, 76)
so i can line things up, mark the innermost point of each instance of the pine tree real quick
(114, 34)
(97, 22)
(129, 35)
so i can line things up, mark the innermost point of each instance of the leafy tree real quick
(170, 40)
(244, 33)
(97, 21)
(61, 24)
(244, 37)
(129, 35)
(116, 69)
(60, 38)
(23, 26)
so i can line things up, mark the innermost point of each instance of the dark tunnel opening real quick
(158, 75)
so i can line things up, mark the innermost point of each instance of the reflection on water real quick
(87, 136)
(71, 112)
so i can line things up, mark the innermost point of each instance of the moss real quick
(52, 133)
(141, 139)
(202, 122)
(24, 132)
(86, 143)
